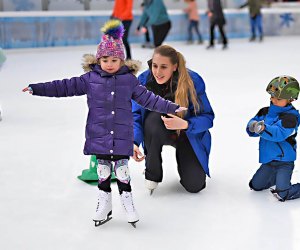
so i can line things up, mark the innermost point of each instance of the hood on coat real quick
(90, 59)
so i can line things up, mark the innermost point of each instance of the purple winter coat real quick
(109, 128)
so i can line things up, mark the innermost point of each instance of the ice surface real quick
(44, 206)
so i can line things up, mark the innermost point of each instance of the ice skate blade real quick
(133, 223)
(101, 222)
(151, 191)
(276, 195)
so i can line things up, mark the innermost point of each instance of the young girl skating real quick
(109, 85)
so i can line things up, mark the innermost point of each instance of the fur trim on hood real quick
(90, 59)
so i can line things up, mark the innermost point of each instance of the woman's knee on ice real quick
(193, 187)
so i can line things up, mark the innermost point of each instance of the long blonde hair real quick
(185, 86)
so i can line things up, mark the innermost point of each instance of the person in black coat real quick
(216, 17)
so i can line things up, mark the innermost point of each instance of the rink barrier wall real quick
(48, 29)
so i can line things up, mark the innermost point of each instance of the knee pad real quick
(103, 170)
(122, 171)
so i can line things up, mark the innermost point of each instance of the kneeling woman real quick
(188, 132)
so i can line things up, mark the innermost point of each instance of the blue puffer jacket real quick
(197, 132)
(278, 140)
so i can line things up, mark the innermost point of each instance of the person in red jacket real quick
(123, 11)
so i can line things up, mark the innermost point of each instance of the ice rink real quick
(44, 205)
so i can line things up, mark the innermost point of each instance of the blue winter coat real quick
(197, 132)
(109, 127)
(278, 140)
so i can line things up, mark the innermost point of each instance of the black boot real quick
(252, 39)
(261, 38)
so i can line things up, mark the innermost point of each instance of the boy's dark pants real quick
(192, 175)
(279, 174)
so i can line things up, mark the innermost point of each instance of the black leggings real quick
(105, 186)
(127, 24)
(222, 33)
(192, 175)
(160, 32)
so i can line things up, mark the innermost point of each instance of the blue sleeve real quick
(144, 18)
(137, 123)
(150, 101)
(75, 86)
(137, 111)
(276, 132)
(204, 119)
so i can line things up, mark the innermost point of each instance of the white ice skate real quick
(151, 185)
(131, 213)
(104, 208)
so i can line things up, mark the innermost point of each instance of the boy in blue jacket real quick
(277, 127)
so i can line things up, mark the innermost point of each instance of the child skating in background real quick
(192, 11)
(277, 127)
(109, 85)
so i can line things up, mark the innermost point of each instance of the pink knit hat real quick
(111, 43)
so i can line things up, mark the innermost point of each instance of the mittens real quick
(256, 127)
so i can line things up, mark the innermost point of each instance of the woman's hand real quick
(174, 122)
(180, 109)
(28, 89)
(137, 155)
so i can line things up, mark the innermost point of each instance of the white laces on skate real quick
(127, 201)
(103, 199)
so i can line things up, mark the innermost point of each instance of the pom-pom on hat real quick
(111, 43)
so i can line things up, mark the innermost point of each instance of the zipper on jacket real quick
(268, 132)
(282, 153)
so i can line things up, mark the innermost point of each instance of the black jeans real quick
(222, 33)
(127, 24)
(191, 173)
(160, 32)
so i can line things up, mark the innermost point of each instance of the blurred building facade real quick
(37, 5)
(24, 25)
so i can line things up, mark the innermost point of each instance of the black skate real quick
(101, 222)
(133, 223)
(275, 193)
